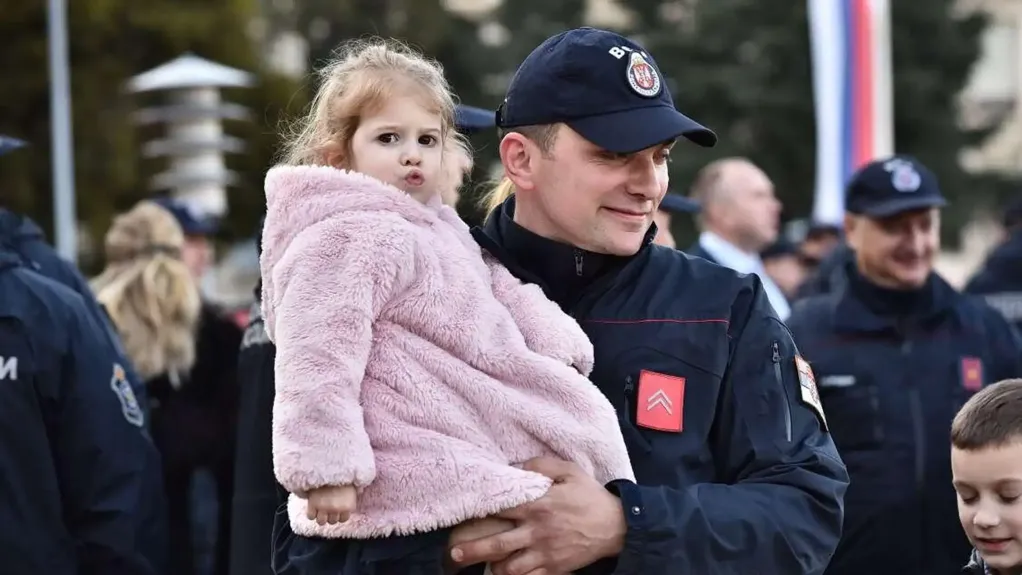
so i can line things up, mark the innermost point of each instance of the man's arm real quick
(779, 505)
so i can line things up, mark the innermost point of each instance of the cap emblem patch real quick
(642, 76)
(904, 176)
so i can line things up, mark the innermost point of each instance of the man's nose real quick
(644, 179)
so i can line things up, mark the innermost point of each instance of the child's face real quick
(400, 144)
(989, 484)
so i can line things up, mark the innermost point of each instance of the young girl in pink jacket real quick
(413, 373)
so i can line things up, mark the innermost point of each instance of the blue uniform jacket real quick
(21, 236)
(752, 483)
(24, 237)
(73, 452)
(1000, 280)
(890, 388)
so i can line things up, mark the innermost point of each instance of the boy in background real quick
(986, 462)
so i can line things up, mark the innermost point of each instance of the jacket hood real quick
(300, 197)
(17, 229)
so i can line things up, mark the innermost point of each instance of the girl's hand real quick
(331, 504)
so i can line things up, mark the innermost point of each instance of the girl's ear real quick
(335, 155)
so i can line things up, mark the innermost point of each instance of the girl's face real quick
(400, 144)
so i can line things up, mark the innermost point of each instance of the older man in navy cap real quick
(897, 351)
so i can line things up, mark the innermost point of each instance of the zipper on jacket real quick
(918, 424)
(578, 263)
(629, 388)
(784, 390)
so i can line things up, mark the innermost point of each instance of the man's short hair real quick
(543, 135)
(991, 418)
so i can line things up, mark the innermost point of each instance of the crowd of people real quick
(559, 390)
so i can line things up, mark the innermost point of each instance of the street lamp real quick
(195, 141)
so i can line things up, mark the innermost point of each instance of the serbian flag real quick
(851, 57)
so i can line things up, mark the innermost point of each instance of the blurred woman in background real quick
(186, 353)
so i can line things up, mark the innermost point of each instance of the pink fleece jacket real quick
(411, 367)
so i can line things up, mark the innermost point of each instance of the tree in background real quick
(110, 42)
(503, 40)
(742, 67)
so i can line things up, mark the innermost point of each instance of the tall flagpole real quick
(62, 151)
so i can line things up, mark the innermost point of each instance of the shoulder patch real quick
(808, 391)
(130, 408)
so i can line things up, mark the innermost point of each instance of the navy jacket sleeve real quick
(99, 452)
(1006, 346)
(780, 507)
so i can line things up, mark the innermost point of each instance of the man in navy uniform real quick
(896, 352)
(73, 448)
(736, 472)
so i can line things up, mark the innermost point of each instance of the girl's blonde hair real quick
(362, 77)
(148, 291)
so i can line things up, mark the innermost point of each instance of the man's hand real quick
(577, 522)
(473, 530)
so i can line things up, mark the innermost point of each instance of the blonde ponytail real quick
(495, 197)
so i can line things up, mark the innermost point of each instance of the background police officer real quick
(72, 445)
(896, 352)
(24, 239)
(670, 205)
(1000, 280)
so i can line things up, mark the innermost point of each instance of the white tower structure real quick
(195, 141)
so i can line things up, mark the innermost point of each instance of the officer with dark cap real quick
(785, 265)
(896, 352)
(197, 252)
(73, 450)
(735, 470)
(471, 119)
(1000, 279)
(670, 205)
(23, 238)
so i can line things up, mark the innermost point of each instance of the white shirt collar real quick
(730, 255)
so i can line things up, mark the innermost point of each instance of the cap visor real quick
(676, 204)
(471, 118)
(898, 205)
(640, 128)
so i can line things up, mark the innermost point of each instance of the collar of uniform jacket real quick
(562, 270)
(866, 308)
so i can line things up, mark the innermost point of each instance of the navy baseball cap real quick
(675, 204)
(468, 119)
(192, 223)
(890, 186)
(9, 144)
(602, 85)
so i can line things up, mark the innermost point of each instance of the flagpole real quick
(62, 149)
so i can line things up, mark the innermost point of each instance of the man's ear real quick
(852, 225)
(517, 154)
